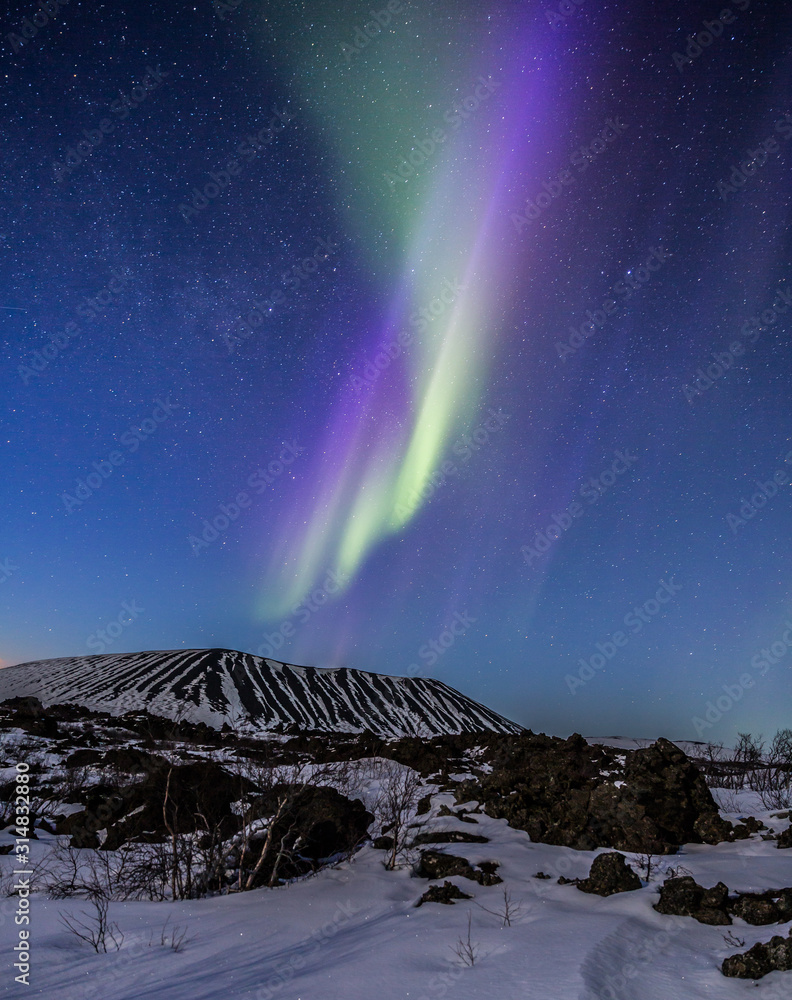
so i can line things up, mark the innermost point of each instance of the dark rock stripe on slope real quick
(219, 685)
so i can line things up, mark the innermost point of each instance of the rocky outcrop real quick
(449, 837)
(759, 908)
(684, 897)
(318, 823)
(321, 824)
(437, 864)
(747, 826)
(445, 893)
(135, 811)
(565, 792)
(609, 874)
(772, 956)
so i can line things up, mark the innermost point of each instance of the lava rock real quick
(445, 893)
(321, 823)
(759, 908)
(449, 837)
(486, 873)
(747, 826)
(609, 874)
(564, 792)
(785, 838)
(437, 864)
(763, 958)
(460, 815)
(424, 805)
(87, 757)
(684, 897)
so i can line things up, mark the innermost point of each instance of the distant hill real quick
(221, 685)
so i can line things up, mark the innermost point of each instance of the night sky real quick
(451, 340)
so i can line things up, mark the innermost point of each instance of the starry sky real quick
(439, 339)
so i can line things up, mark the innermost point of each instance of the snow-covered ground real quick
(353, 931)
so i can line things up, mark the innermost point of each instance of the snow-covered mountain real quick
(220, 685)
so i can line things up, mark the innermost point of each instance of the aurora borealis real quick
(432, 338)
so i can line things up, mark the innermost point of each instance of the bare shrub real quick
(96, 930)
(508, 910)
(733, 941)
(134, 871)
(395, 806)
(174, 938)
(647, 865)
(465, 949)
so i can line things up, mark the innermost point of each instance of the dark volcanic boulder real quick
(424, 805)
(564, 792)
(672, 794)
(320, 824)
(759, 908)
(129, 760)
(747, 826)
(785, 838)
(437, 864)
(763, 958)
(29, 714)
(486, 873)
(199, 787)
(684, 897)
(449, 837)
(445, 893)
(609, 873)
(86, 757)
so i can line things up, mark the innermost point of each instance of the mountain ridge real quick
(255, 694)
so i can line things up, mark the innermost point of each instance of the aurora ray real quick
(388, 439)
